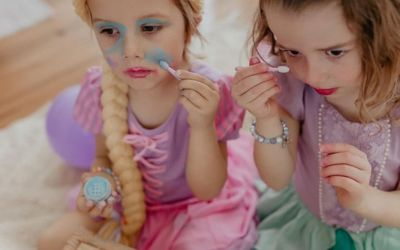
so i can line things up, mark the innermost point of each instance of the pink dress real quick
(175, 218)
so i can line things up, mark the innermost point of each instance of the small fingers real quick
(345, 183)
(344, 171)
(192, 77)
(249, 83)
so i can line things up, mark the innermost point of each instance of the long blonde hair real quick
(377, 25)
(114, 100)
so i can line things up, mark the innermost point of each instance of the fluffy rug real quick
(34, 181)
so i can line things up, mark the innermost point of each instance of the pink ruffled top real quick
(161, 152)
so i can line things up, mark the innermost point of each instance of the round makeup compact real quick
(97, 189)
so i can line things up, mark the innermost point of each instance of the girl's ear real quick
(198, 19)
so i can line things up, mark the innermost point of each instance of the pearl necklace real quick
(381, 166)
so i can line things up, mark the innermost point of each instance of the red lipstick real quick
(325, 92)
(138, 72)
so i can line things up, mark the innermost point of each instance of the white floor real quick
(16, 15)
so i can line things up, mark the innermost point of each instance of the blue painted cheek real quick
(157, 55)
(112, 63)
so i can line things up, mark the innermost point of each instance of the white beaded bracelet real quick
(111, 173)
(281, 139)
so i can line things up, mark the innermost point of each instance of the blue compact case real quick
(97, 189)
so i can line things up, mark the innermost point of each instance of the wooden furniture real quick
(38, 62)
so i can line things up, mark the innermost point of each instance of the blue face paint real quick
(111, 62)
(154, 56)
(150, 21)
(157, 55)
(121, 39)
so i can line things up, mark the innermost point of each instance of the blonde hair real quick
(377, 25)
(114, 100)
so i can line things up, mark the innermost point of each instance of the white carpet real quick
(34, 181)
(19, 14)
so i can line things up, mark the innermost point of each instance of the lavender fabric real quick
(303, 103)
(161, 152)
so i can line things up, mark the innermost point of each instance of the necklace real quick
(380, 171)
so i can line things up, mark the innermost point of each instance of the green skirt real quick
(285, 224)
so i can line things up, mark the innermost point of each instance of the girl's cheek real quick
(112, 62)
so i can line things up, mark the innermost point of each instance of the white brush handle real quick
(280, 69)
(165, 65)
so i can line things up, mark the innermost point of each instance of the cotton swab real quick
(165, 65)
(280, 69)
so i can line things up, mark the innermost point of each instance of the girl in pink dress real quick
(162, 136)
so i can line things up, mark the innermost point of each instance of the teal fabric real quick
(285, 224)
(343, 240)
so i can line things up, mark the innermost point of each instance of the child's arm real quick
(206, 169)
(381, 207)
(101, 156)
(347, 169)
(253, 89)
(276, 162)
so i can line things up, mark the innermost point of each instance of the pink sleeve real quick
(87, 110)
(229, 117)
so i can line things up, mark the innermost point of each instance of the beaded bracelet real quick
(111, 173)
(281, 139)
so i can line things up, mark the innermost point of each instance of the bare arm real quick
(101, 155)
(274, 162)
(206, 169)
(349, 171)
(254, 88)
(382, 207)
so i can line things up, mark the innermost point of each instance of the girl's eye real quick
(335, 53)
(151, 28)
(109, 31)
(292, 53)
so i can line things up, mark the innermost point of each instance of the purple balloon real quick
(73, 144)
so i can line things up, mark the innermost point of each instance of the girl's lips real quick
(326, 91)
(138, 72)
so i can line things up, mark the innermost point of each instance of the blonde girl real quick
(162, 136)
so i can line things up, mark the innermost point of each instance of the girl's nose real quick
(313, 75)
(133, 47)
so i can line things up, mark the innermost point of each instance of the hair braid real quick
(114, 100)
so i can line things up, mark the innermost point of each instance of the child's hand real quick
(347, 169)
(200, 97)
(253, 88)
(102, 208)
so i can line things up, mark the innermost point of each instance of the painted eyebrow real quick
(333, 47)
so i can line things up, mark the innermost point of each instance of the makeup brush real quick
(163, 64)
(280, 69)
